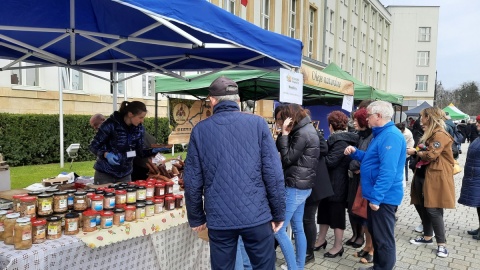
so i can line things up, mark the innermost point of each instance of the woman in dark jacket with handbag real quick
(299, 151)
(331, 210)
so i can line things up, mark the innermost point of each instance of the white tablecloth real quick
(175, 248)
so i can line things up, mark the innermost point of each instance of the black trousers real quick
(310, 224)
(381, 225)
(258, 243)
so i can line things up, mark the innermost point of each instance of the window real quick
(311, 31)
(371, 48)
(26, 77)
(370, 76)
(72, 79)
(345, 2)
(422, 83)
(293, 18)
(265, 14)
(373, 20)
(423, 58)
(352, 70)
(354, 37)
(342, 60)
(330, 54)
(230, 6)
(355, 6)
(378, 52)
(121, 85)
(332, 14)
(361, 71)
(344, 26)
(424, 34)
(380, 26)
(148, 86)
(377, 79)
(364, 40)
(365, 10)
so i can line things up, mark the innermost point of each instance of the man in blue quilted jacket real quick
(233, 163)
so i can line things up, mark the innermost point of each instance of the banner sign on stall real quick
(291, 86)
(317, 78)
(347, 103)
(184, 115)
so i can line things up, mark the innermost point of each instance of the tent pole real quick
(156, 115)
(255, 102)
(60, 117)
(115, 86)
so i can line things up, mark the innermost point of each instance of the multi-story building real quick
(354, 34)
(413, 56)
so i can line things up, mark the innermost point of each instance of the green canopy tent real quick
(253, 84)
(455, 113)
(363, 91)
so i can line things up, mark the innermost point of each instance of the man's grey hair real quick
(235, 98)
(383, 108)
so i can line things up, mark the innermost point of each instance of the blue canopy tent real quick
(137, 36)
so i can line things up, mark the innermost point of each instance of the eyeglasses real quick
(370, 114)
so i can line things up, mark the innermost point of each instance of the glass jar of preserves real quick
(61, 215)
(169, 203)
(45, 204)
(52, 190)
(108, 201)
(34, 193)
(39, 231)
(3, 214)
(178, 201)
(99, 191)
(131, 195)
(141, 193)
(118, 216)
(28, 206)
(71, 224)
(60, 201)
(168, 188)
(80, 200)
(106, 220)
(80, 217)
(130, 212)
(54, 227)
(70, 198)
(89, 223)
(150, 190)
(16, 201)
(159, 189)
(158, 205)
(120, 196)
(140, 212)
(9, 225)
(96, 202)
(22, 238)
(149, 208)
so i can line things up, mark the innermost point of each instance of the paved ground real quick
(464, 251)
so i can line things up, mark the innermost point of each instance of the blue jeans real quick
(242, 261)
(295, 205)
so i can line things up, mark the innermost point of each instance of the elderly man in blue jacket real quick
(381, 171)
(233, 163)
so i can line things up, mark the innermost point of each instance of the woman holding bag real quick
(435, 190)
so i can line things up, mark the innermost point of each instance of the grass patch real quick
(23, 176)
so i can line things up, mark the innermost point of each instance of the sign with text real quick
(347, 103)
(184, 115)
(291, 86)
(317, 78)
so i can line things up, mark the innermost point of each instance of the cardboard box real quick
(60, 180)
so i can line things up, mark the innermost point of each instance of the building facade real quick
(354, 34)
(413, 57)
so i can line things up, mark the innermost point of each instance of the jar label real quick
(170, 189)
(30, 210)
(40, 233)
(62, 203)
(93, 222)
(112, 202)
(26, 235)
(52, 229)
(97, 220)
(108, 222)
(70, 201)
(122, 219)
(150, 192)
(141, 194)
(2, 228)
(121, 199)
(72, 226)
(172, 205)
(142, 213)
(97, 205)
(162, 192)
(46, 205)
(158, 208)
(181, 202)
(131, 197)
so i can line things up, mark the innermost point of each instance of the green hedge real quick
(28, 139)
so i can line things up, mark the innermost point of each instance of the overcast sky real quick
(458, 56)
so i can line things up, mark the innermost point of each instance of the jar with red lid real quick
(108, 201)
(109, 190)
(39, 232)
(149, 208)
(130, 212)
(120, 196)
(28, 206)
(158, 202)
(118, 216)
(150, 190)
(97, 202)
(169, 203)
(132, 183)
(16, 201)
(168, 188)
(159, 189)
(89, 199)
(141, 193)
(106, 219)
(131, 195)
(178, 201)
(89, 223)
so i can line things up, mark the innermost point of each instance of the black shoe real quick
(309, 258)
(324, 246)
(473, 232)
(357, 245)
(476, 237)
(330, 255)
(367, 259)
(360, 254)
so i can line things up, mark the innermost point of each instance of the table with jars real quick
(134, 225)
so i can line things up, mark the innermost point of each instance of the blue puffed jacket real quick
(470, 192)
(233, 163)
(116, 137)
(382, 165)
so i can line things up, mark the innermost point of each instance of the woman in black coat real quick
(331, 210)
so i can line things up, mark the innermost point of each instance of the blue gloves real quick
(112, 159)
(161, 149)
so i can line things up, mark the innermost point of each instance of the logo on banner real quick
(181, 113)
